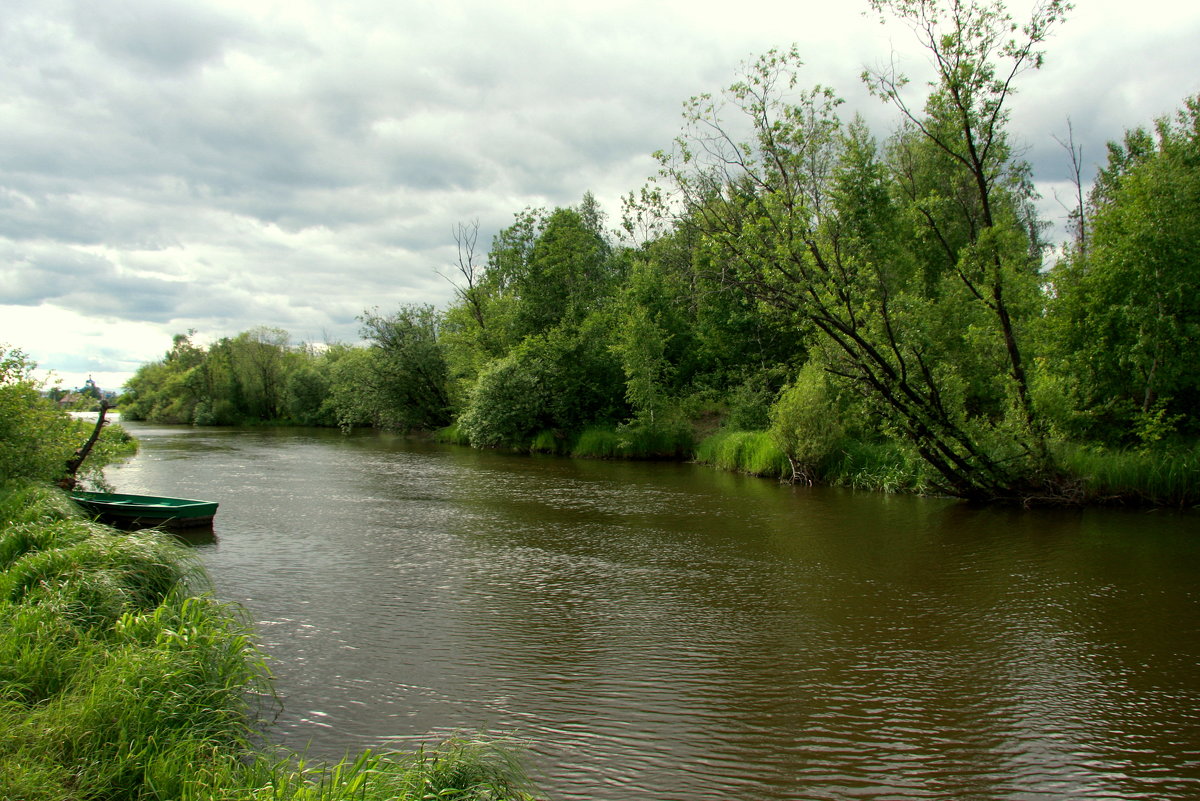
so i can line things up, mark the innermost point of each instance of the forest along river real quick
(665, 631)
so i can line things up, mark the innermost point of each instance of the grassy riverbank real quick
(1165, 476)
(1160, 476)
(121, 678)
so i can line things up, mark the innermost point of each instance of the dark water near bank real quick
(671, 632)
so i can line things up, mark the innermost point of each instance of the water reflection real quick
(668, 632)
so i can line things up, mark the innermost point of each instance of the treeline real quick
(257, 376)
(878, 312)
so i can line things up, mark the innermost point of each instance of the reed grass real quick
(1164, 476)
(32, 502)
(878, 467)
(598, 443)
(547, 442)
(664, 441)
(874, 466)
(752, 452)
(121, 679)
(634, 441)
(463, 768)
(452, 435)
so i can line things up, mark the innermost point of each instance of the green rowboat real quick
(143, 511)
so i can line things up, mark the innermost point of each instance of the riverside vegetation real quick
(831, 306)
(122, 678)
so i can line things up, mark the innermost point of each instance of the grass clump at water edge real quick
(752, 452)
(878, 467)
(1165, 476)
(633, 441)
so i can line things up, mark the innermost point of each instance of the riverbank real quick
(1164, 477)
(1158, 477)
(121, 677)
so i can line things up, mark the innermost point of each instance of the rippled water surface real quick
(670, 632)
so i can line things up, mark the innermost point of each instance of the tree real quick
(258, 360)
(169, 390)
(1127, 313)
(471, 292)
(792, 219)
(641, 346)
(566, 274)
(558, 381)
(306, 390)
(804, 421)
(407, 373)
(36, 438)
(977, 56)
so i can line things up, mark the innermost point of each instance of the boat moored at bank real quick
(144, 511)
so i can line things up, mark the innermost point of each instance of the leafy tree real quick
(565, 277)
(507, 404)
(407, 374)
(978, 51)
(255, 376)
(36, 438)
(557, 381)
(306, 390)
(1126, 316)
(789, 218)
(641, 347)
(169, 390)
(258, 359)
(354, 399)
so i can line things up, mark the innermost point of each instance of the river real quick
(663, 632)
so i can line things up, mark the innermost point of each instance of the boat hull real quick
(146, 511)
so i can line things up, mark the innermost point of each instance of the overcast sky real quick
(168, 165)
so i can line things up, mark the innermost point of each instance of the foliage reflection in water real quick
(663, 631)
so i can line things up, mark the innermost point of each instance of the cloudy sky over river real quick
(214, 165)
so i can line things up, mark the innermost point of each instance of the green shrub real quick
(804, 422)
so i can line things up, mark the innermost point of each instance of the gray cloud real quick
(153, 36)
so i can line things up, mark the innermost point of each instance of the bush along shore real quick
(122, 679)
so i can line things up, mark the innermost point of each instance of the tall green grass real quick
(752, 452)
(878, 467)
(598, 443)
(633, 441)
(547, 442)
(122, 680)
(875, 466)
(463, 768)
(1167, 476)
(451, 434)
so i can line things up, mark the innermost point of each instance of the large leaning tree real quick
(916, 264)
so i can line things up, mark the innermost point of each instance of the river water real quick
(670, 632)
